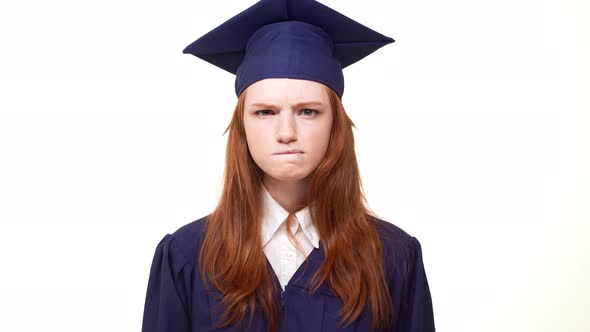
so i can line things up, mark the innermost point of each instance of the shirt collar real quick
(273, 215)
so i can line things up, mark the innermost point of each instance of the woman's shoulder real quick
(406, 275)
(183, 245)
(190, 235)
(396, 241)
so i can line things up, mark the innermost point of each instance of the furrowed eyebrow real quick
(298, 105)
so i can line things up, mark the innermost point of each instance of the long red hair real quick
(340, 215)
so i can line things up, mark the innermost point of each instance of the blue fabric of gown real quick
(176, 300)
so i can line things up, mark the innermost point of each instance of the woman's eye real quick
(264, 112)
(308, 111)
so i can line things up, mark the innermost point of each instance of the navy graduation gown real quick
(176, 300)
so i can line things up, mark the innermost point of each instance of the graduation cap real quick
(300, 39)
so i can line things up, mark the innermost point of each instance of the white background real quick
(471, 129)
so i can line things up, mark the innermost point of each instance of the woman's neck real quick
(287, 194)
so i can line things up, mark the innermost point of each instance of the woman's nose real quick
(286, 131)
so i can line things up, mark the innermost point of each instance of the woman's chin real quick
(288, 177)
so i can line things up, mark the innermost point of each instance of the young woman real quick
(291, 245)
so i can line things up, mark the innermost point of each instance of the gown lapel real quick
(302, 312)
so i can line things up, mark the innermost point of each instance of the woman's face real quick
(288, 124)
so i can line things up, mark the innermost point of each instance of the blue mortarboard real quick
(301, 39)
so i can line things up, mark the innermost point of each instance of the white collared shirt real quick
(281, 253)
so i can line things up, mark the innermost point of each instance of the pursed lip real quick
(290, 152)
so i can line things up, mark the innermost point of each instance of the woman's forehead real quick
(286, 90)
